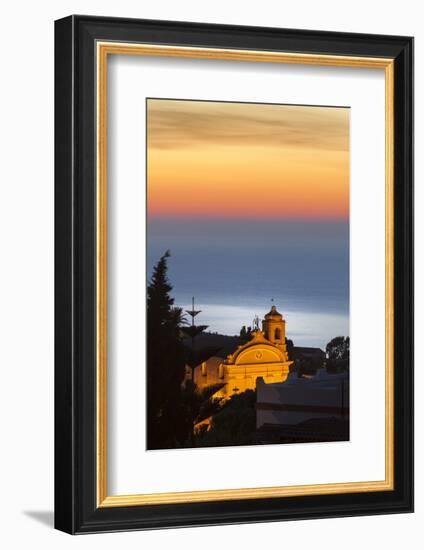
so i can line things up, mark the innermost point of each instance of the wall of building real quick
(300, 399)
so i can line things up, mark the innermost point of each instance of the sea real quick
(236, 269)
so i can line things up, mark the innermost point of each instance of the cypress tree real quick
(165, 359)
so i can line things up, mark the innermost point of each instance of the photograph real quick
(247, 339)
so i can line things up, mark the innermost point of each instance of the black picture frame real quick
(76, 510)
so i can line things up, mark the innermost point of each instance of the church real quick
(264, 356)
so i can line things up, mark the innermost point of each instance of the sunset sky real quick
(253, 202)
(213, 159)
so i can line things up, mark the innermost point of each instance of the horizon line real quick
(235, 218)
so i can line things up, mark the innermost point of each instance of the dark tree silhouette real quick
(245, 334)
(338, 348)
(194, 355)
(337, 351)
(234, 424)
(197, 405)
(165, 359)
(195, 400)
(290, 346)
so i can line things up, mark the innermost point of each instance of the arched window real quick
(277, 334)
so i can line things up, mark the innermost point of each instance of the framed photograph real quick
(233, 274)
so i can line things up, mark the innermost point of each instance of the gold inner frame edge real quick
(103, 49)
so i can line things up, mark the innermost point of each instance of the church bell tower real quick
(274, 328)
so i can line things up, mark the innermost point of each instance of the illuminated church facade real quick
(264, 356)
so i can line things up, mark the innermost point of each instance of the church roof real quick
(273, 314)
(257, 338)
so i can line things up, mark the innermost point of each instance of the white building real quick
(298, 400)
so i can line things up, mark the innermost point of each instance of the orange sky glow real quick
(240, 160)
